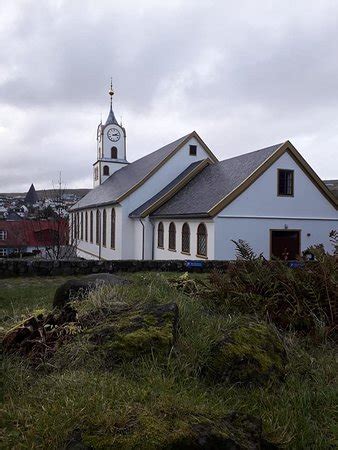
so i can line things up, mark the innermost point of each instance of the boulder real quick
(79, 288)
(135, 331)
(236, 431)
(252, 353)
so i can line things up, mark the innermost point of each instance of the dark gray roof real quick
(123, 180)
(213, 184)
(138, 211)
(333, 186)
(111, 119)
(31, 196)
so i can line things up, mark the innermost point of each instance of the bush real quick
(293, 298)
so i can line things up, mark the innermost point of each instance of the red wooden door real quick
(285, 244)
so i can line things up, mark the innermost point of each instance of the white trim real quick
(275, 217)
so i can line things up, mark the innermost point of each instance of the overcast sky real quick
(243, 74)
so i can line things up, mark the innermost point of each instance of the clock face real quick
(114, 134)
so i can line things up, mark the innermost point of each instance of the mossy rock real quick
(252, 353)
(136, 331)
(236, 431)
(78, 289)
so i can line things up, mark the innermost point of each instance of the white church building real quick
(181, 202)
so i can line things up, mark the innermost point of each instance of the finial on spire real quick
(111, 118)
(111, 91)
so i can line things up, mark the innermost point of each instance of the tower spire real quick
(111, 117)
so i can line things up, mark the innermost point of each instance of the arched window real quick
(91, 227)
(172, 236)
(114, 153)
(81, 227)
(97, 227)
(160, 235)
(105, 170)
(112, 228)
(96, 174)
(185, 238)
(77, 225)
(86, 226)
(104, 228)
(202, 240)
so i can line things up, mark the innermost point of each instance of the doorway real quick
(285, 244)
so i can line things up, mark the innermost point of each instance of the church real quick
(181, 202)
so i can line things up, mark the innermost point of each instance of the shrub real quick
(298, 298)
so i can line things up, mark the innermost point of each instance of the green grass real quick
(142, 404)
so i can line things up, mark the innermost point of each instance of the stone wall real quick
(21, 267)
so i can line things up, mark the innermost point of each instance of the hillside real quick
(48, 193)
(172, 361)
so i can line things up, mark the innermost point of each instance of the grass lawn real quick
(143, 403)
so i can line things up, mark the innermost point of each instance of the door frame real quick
(288, 229)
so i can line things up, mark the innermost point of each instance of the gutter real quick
(275, 217)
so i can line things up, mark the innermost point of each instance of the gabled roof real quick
(168, 191)
(126, 180)
(219, 184)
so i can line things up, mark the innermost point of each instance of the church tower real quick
(111, 147)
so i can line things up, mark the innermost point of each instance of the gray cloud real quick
(243, 74)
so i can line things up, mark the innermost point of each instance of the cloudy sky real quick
(243, 74)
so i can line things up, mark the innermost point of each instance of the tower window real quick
(285, 182)
(114, 153)
(96, 174)
(192, 150)
(105, 170)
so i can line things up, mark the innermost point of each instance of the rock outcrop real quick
(252, 353)
(236, 431)
(79, 288)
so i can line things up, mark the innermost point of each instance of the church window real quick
(81, 227)
(112, 228)
(91, 227)
(285, 182)
(105, 170)
(172, 236)
(96, 173)
(192, 150)
(202, 240)
(86, 226)
(160, 235)
(185, 238)
(114, 153)
(104, 228)
(97, 227)
(77, 225)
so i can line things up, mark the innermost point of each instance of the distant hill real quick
(48, 193)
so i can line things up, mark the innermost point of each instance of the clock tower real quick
(111, 147)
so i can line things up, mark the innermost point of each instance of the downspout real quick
(142, 238)
(153, 239)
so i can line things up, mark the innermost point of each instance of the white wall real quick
(88, 250)
(258, 210)
(165, 253)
